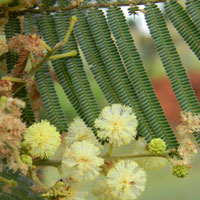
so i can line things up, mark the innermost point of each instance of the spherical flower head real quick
(11, 131)
(27, 159)
(118, 123)
(5, 87)
(157, 146)
(20, 43)
(3, 47)
(81, 158)
(42, 139)
(126, 180)
(181, 171)
(78, 131)
(102, 190)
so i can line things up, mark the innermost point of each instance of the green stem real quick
(12, 79)
(57, 163)
(7, 181)
(110, 150)
(63, 55)
(37, 181)
(5, 2)
(53, 163)
(73, 21)
(139, 155)
(60, 171)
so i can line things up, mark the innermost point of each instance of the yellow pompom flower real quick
(101, 189)
(118, 123)
(126, 180)
(82, 160)
(78, 131)
(42, 139)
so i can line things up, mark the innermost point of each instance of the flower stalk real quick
(7, 181)
(12, 79)
(64, 55)
(140, 155)
(57, 163)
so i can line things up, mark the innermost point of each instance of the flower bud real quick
(157, 146)
(27, 160)
(181, 171)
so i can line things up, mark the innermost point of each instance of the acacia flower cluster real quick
(188, 148)
(126, 180)
(42, 139)
(117, 123)
(29, 43)
(120, 177)
(83, 161)
(78, 131)
(3, 47)
(5, 88)
(11, 133)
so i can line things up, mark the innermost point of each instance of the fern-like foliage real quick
(93, 56)
(27, 113)
(23, 190)
(138, 76)
(184, 25)
(193, 9)
(70, 72)
(116, 71)
(50, 100)
(104, 40)
(12, 28)
(171, 61)
(77, 73)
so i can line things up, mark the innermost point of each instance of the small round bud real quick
(157, 146)
(180, 171)
(3, 99)
(74, 18)
(27, 160)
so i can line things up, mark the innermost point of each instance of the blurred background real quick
(160, 184)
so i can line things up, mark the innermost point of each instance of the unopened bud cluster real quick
(82, 159)
(157, 146)
(181, 171)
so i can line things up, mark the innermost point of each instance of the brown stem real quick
(93, 5)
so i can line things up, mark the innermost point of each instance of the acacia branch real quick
(140, 155)
(84, 7)
(57, 163)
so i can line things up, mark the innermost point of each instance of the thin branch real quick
(57, 163)
(7, 181)
(93, 5)
(140, 155)
(53, 163)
